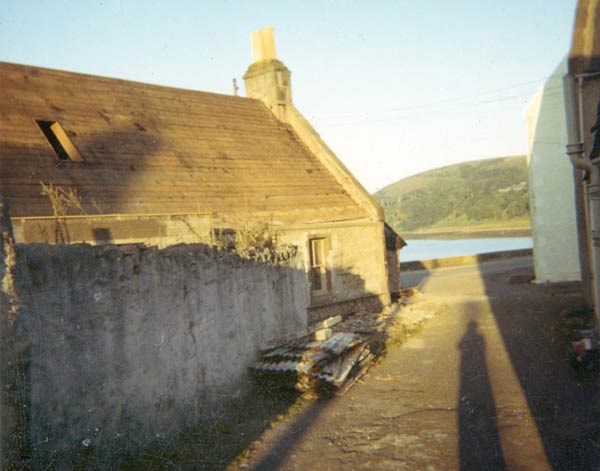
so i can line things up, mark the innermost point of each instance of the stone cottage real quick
(102, 160)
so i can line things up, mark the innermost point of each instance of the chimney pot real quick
(263, 45)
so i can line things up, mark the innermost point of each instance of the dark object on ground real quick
(583, 352)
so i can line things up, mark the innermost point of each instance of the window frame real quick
(319, 265)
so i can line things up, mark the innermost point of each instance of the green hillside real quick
(489, 192)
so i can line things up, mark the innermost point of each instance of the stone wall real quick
(357, 260)
(127, 344)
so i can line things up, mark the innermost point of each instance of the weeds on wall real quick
(258, 235)
(243, 235)
(62, 200)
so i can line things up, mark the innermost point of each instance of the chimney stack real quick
(267, 78)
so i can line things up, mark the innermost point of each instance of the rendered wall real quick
(552, 194)
(159, 230)
(127, 344)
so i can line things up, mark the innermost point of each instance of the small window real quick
(320, 279)
(57, 137)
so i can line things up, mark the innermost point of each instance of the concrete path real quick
(484, 386)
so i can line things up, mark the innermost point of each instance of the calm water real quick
(425, 249)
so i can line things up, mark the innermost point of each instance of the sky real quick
(393, 87)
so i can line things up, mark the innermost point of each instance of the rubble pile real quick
(332, 365)
(362, 322)
(331, 355)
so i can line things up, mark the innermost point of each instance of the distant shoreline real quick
(467, 233)
(463, 260)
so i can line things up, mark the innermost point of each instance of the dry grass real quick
(62, 200)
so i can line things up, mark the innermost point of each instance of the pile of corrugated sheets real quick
(332, 365)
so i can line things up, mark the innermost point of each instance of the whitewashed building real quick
(551, 187)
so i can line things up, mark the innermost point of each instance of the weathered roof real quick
(393, 241)
(150, 149)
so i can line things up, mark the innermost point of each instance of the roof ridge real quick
(120, 80)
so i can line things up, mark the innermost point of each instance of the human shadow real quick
(479, 440)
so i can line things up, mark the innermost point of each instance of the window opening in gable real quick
(319, 269)
(60, 142)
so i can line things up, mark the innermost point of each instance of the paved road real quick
(484, 386)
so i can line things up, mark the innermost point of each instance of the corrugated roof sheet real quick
(332, 365)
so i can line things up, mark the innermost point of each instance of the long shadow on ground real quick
(566, 408)
(281, 450)
(215, 443)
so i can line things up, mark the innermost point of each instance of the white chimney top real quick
(263, 45)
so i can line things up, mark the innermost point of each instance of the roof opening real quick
(60, 142)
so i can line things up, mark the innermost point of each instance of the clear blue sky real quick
(394, 87)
